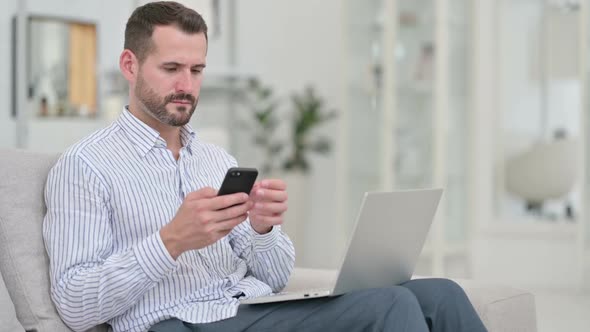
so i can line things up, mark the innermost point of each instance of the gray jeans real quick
(417, 305)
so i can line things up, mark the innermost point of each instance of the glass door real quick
(365, 26)
(432, 56)
(415, 75)
(409, 95)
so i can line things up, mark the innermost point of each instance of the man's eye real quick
(196, 70)
(170, 69)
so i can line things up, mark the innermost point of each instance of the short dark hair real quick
(143, 20)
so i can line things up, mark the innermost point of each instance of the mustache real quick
(181, 97)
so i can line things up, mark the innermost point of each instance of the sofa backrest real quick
(24, 264)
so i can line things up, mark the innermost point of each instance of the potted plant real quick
(308, 113)
(286, 153)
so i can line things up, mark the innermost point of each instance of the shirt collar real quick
(187, 137)
(144, 137)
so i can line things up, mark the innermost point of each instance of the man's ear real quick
(128, 65)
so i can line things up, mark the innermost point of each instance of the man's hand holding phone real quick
(207, 215)
(270, 203)
(203, 219)
(268, 196)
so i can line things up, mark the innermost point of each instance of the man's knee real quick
(387, 296)
(447, 287)
(435, 286)
(437, 291)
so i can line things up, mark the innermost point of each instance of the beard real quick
(155, 105)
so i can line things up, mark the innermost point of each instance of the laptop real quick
(389, 233)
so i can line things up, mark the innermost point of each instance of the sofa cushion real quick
(23, 260)
(7, 312)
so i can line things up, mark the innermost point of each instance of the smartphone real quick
(238, 180)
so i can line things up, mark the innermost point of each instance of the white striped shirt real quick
(107, 198)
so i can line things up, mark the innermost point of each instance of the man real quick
(137, 236)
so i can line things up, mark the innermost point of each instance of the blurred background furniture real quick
(547, 170)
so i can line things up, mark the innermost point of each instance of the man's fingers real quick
(229, 224)
(255, 187)
(206, 192)
(269, 208)
(267, 220)
(270, 195)
(225, 201)
(276, 184)
(232, 212)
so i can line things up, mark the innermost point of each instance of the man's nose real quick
(184, 81)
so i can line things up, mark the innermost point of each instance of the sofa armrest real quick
(502, 308)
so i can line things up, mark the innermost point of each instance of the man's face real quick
(169, 80)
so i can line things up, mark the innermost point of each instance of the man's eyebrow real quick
(172, 63)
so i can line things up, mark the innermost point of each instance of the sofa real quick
(25, 303)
